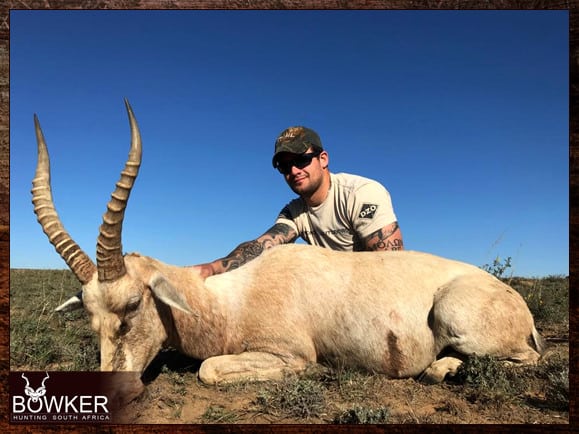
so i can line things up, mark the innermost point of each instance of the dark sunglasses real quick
(301, 161)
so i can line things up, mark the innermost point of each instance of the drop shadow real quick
(173, 361)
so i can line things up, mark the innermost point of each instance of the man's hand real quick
(205, 270)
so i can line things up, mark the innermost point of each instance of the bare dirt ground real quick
(175, 396)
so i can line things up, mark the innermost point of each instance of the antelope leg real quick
(250, 366)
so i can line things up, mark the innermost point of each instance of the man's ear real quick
(324, 159)
(168, 294)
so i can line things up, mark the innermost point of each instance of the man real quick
(338, 211)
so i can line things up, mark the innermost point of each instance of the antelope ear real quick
(73, 303)
(168, 294)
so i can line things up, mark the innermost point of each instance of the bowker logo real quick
(64, 405)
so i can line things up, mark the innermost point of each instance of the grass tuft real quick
(555, 370)
(218, 414)
(363, 415)
(294, 396)
(489, 381)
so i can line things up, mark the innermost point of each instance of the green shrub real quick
(363, 415)
(498, 267)
(488, 380)
(294, 395)
(555, 370)
(557, 393)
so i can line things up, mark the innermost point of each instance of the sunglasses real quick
(301, 161)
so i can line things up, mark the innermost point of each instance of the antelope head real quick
(35, 394)
(120, 293)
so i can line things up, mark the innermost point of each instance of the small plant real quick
(174, 403)
(294, 396)
(351, 383)
(489, 380)
(363, 415)
(498, 267)
(557, 393)
(218, 414)
(555, 370)
(177, 380)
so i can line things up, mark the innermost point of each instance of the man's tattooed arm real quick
(245, 252)
(387, 238)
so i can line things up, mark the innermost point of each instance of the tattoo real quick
(391, 239)
(282, 233)
(396, 244)
(245, 252)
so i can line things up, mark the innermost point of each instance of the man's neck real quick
(321, 193)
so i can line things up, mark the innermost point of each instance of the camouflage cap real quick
(296, 140)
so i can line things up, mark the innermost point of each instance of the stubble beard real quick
(309, 187)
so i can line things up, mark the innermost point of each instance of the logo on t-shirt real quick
(368, 211)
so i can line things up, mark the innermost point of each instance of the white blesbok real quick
(403, 314)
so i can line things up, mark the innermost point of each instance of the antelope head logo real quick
(35, 395)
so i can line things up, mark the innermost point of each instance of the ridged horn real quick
(80, 264)
(110, 262)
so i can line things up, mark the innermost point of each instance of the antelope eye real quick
(132, 305)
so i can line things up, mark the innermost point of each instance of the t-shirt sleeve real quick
(371, 209)
(285, 217)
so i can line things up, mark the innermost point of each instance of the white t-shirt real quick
(355, 208)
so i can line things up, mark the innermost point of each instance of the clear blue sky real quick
(462, 115)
